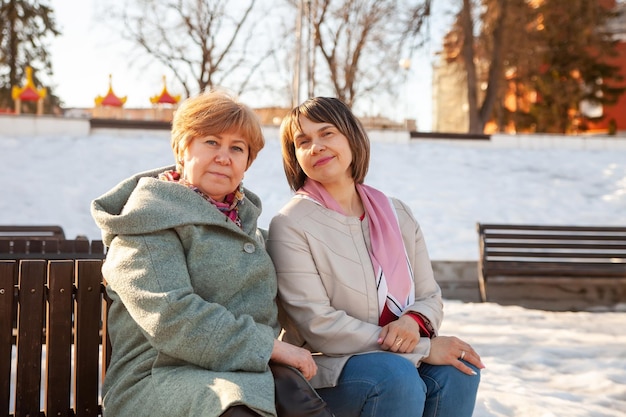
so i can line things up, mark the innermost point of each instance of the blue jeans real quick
(387, 385)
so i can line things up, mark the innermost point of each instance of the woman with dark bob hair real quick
(355, 280)
(194, 323)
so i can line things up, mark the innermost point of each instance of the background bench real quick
(561, 268)
(53, 311)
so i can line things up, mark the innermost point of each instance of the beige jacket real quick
(327, 288)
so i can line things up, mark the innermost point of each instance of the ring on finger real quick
(399, 342)
(462, 355)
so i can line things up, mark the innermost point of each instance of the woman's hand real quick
(400, 336)
(450, 350)
(295, 356)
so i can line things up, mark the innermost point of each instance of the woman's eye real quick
(238, 149)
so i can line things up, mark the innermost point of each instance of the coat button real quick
(249, 247)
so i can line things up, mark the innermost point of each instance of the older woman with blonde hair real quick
(193, 322)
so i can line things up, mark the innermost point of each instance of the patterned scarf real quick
(394, 276)
(230, 206)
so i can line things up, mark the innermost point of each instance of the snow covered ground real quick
(539, 364)
(450, 186)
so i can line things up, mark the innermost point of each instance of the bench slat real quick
(52, 249)
(19, 246)
(26, 246)
(88, 317)
(32, 231)
(74, 246)
(560, 235)
(606, 257)
(29, 337)
(59, 338)
(551, 280)
(563, 269)
(496, 226)
(7, 312)
(559, 245)
(51, 256)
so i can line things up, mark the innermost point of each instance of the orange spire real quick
(164, 97)
(28, 92)
(111, 99)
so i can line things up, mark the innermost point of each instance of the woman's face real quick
(323, 153)
(216, 164)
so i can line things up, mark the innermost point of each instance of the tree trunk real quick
(467, 52)
(495, 68)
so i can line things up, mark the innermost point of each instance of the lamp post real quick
(304, 44)
(405, 64)
(297, 65)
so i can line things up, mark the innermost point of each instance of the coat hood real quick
(144, 204)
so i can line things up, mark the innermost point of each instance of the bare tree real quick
(360, 42)
(204, 43)
(481, 113)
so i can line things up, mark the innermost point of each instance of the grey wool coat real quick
(193, 318)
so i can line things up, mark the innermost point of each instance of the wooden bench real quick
(560, 268)
(53, 332)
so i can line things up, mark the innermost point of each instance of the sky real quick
(88, 52)
(538, 363)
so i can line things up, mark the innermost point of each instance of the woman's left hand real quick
(400, 336)
(450, 350)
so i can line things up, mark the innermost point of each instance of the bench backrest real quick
(51, 249)
(583, 251)
(559, 268)
(53, 335)
(32, 232)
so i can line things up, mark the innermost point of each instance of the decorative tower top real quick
(111, 99)
(165, 97)
(28, 92)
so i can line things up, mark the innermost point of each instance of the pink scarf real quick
(394, 277)
(230, 206)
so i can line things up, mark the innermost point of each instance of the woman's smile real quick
(323, 161)
(219, 174)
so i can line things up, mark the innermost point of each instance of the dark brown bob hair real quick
(324, 110)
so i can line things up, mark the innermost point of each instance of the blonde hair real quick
(212, 113)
